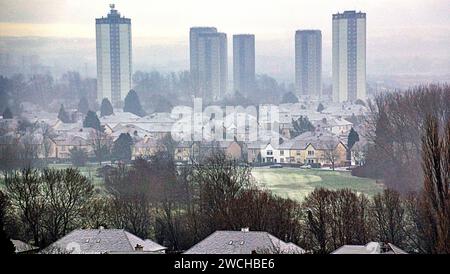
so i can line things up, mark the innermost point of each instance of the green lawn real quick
(294, 183)
(297, 183)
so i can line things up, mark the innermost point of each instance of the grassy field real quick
(296, 183)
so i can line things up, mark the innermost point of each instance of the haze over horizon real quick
(408, 37)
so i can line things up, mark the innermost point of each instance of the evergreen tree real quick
(63, 115)
(320, 107)
(353, 137)
(7, 114)
(92, 121)
(121, 149)
(289, 97)
(83, 105)
(360, 102)
(106, 108)
(301, 125)
(132, 104)
(78, 156)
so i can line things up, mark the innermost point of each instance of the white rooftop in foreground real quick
(370, 248)
(99, 241)
(243, 242)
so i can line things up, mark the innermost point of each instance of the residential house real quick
(147, 146)
(23, 248)
(103, 241)
(32, 144)
(317, 148)
(188, 151)
(184, 151)
(243, 242)
(270, 154)
(64, 143)
(370, 248)
(254, 151)
(338, 126)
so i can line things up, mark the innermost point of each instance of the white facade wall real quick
(340, 60)
(361, 61)
(114, 57)
(125, 60)
(103, 62)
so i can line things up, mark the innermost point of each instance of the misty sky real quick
(403, 29)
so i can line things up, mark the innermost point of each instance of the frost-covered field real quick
(296, 183)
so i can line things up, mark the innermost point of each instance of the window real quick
(310, 152)
(282, 152)
(269, 152)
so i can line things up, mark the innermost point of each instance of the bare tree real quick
(47, 139)
(66, 193)
(336, 218)
(25, 192)
(97, 212)
(101, 145)
(317, 205)
(436, 195)
(389, 218)
(331, 154)
(48, 203)
(358, 153)
(396, 125)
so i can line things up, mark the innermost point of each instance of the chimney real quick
(245, 229)
(139, 247)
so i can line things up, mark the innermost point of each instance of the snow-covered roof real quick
(319, 140)
(119, 117)
(370, 248)
(96, 241)
(243, 242)
(21, 247)
(332, 122)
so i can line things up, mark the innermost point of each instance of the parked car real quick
(276, 166)
(306, 167)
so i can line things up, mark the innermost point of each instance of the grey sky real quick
(267, 18)
(402, 29)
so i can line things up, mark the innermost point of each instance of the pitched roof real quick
(71, 141)
(370, 248)
(332, 122)
(242, 242)
(22, 246)
(319, 140)
(95, 241)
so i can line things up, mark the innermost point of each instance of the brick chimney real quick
(139, 247)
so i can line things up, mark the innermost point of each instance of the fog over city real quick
(224, 127)
(403, 37)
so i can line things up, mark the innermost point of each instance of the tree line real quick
(179, 206)
(395, 128)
